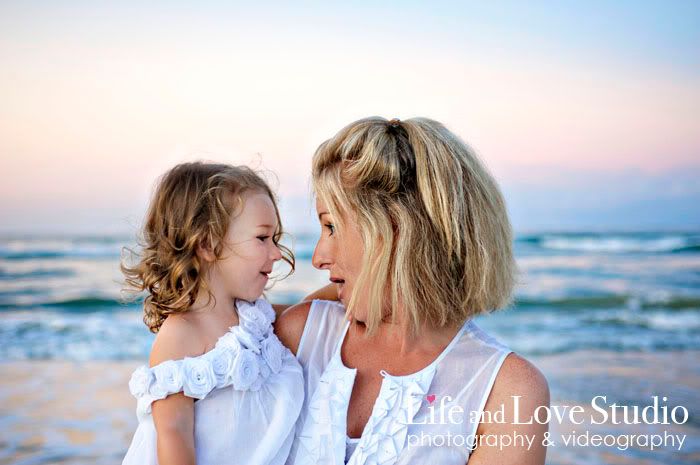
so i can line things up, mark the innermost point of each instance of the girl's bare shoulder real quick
(177, 338)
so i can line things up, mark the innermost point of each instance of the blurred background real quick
(586, 113)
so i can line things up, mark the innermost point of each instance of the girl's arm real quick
(173, 416)
(328, 292)
(174, 421)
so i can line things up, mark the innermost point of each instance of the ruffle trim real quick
(244, 358)
(385, 434)
(387, 428)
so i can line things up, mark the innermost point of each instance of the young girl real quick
(221, 388)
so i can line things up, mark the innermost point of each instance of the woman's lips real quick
(339, 283)
(340, 290)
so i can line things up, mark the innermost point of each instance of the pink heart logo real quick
(431, 398)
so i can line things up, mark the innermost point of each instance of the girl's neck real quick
(212, 303)
(215, 300)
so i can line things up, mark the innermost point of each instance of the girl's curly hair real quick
(192, 205)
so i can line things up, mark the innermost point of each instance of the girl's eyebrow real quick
(264, 226)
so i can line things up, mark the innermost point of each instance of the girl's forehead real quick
(258, 209)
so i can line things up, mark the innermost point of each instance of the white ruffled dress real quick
(248, 389)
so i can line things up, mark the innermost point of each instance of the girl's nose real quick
(276, 253)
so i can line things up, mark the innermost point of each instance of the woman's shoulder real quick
(291, 324)
(513, 374)
(518, 377)
(475, 334)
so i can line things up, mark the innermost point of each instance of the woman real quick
(416, 239)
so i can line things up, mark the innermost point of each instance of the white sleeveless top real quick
(423, 416)
(248, 390)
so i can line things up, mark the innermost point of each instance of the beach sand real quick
(82, 413)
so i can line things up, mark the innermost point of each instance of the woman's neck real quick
(398, 336)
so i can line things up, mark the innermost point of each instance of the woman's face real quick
(341, 255)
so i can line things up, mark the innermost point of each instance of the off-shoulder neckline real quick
(245, 356)
(247, 305)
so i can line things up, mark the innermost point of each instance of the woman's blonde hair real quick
(192, 206)
(433, 221)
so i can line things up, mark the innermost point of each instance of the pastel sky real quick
(587, 113)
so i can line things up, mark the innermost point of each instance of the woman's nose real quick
(321, 258)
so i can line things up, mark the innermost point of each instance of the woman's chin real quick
(343, 300)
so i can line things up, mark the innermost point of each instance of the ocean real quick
(598, 313)
(61, 296)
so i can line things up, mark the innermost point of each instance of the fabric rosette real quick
(265, 371)
(229, 341)
(246, 370)
(246, 339)
(198, 377)
(222, 364)
(253, 328)
(140, 381)
(254, 318)
(168, 379)
(266, 309)
(272, 352)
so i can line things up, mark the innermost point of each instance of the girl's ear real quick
(205, 251)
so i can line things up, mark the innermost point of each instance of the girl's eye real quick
(263, 238)
(330, 228)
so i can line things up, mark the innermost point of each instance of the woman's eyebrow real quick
(265, 226)
(320, 215)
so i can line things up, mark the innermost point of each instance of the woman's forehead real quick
(323, 211)
(322, 208)
(340, 214)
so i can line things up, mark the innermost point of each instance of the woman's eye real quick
(263, 238)
(330, 228)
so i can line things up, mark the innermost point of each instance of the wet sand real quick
(82, 413)
(64, 412)
(626, 379)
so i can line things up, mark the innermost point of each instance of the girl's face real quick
(248, 253)
(341, 256)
